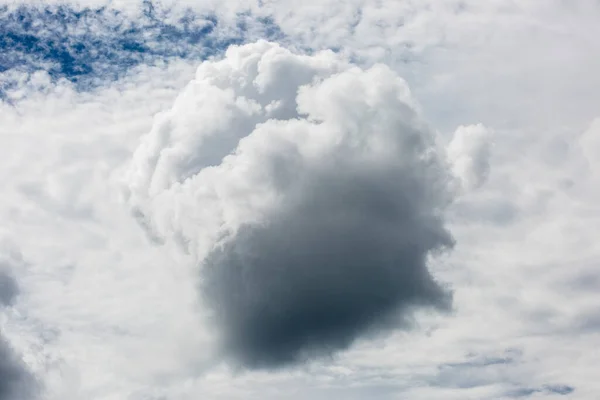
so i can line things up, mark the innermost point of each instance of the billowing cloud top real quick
(310, 193)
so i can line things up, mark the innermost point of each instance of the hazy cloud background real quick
(120, 172)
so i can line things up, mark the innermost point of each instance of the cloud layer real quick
(323, 191)
(105, 313)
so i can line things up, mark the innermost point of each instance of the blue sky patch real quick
(91, 46)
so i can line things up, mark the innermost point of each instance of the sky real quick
(355, 199)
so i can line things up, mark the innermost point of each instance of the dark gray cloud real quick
(345, 257)
(16, 383)
(8, 288)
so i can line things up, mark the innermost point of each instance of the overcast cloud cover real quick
(343, 199)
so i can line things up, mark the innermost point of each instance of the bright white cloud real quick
(469, 153)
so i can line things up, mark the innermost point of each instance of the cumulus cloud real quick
(469, 154)
(310, 193)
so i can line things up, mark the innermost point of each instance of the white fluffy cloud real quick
(469, 153)
(259, 101)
